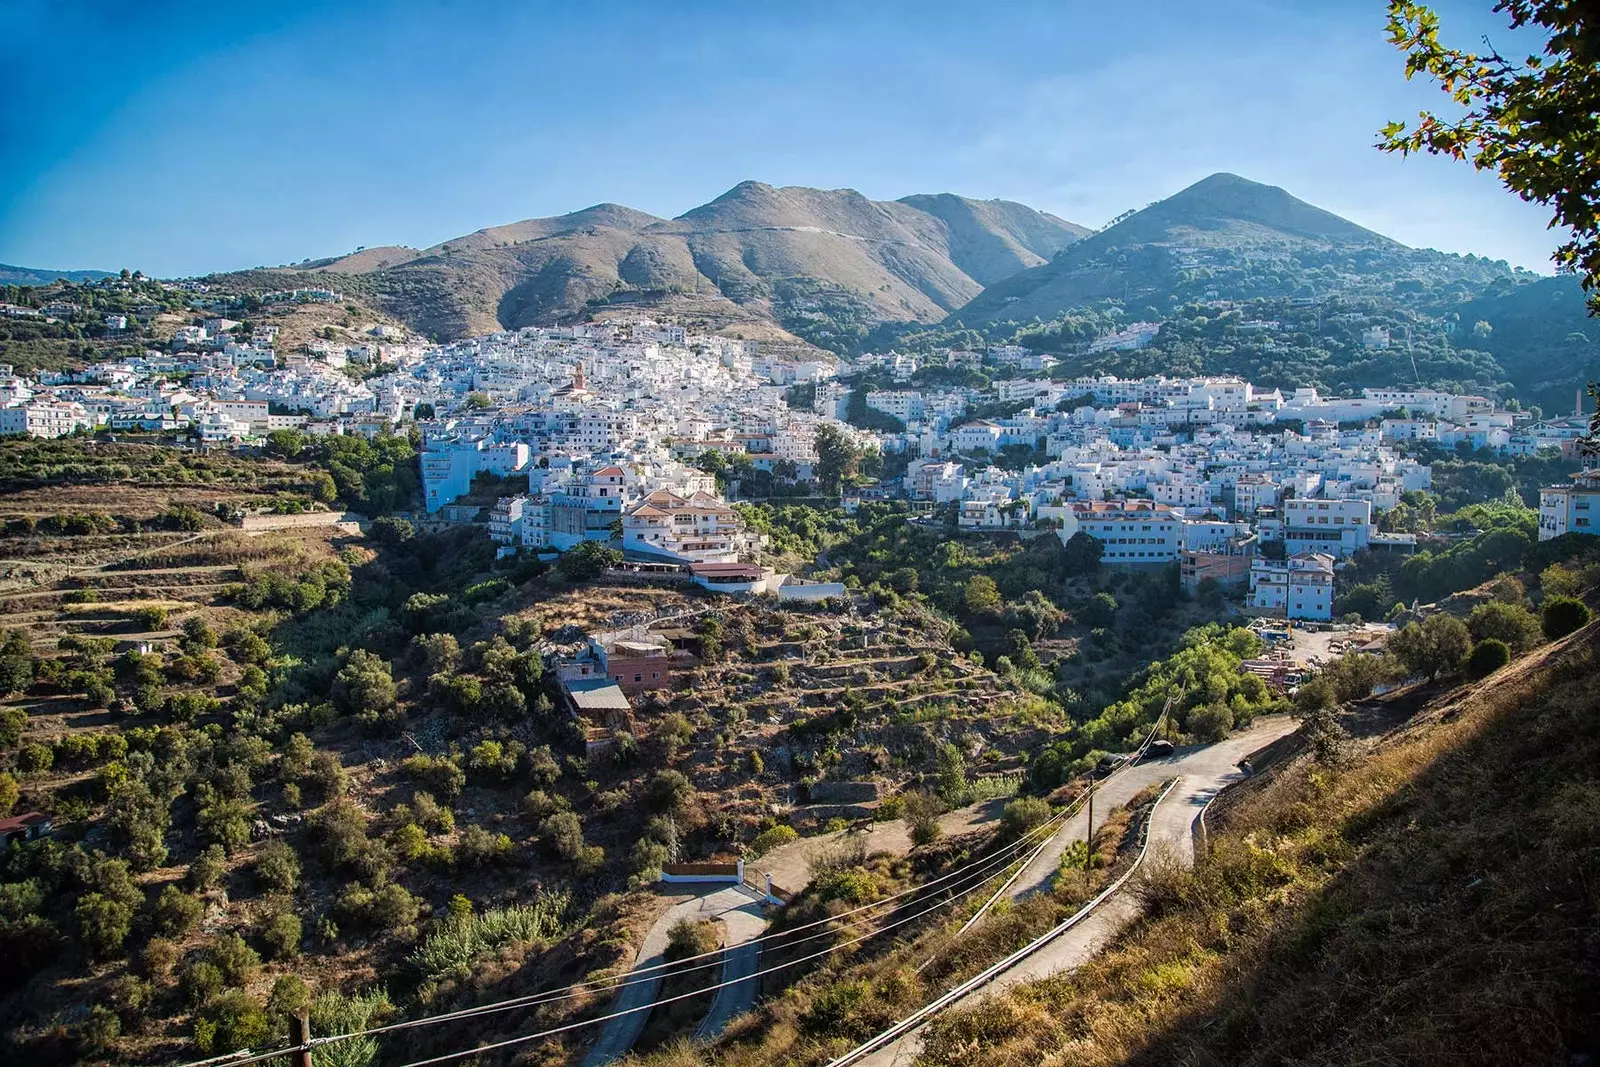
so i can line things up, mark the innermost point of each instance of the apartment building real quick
(1300, 587)
(1132, 531)
(1339, 527)
(698, 528)
(1571, 508)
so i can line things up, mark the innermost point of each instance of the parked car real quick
(1158, 748)
(1109, 763)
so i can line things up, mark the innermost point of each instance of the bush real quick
(563, 835)
(771, 838)
(480, 847)
(277, 867)
(1211, 723)
(208, 868)
(150, 617)
(104, 923)
(689, 938)
(176, 912)
(1563, 614)
(1512, 624)
(388, 907)
(921, 812)
(281, 935)
(587, 561)
(229, 1021)
(1022, 815)
(200, 981)
(1488, 656)
(236, 961)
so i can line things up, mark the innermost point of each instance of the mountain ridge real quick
(822, 264)
(1209, 230)
(11, 274)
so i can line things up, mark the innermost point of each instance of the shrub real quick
(479, 847)
(1211, 723)
(104, 923)
(278, 867)
(229, 1021)
(921, 812)
(587, 561)
(460, 938)
(281, 935)
(200, 981)
(8, 793)
(1488, 656)
(688, 938)
(101, 1029)
(176, 912)
(669, 791)
(159, 957)
(771, 838)
(389, 907)
(236, 961)
(441, 775)
(1022, 815)
(563, 834)
(1512, 624)
(36, 757)
(149, 617)
(208, 868)
(1563, 614)
(1436, 646)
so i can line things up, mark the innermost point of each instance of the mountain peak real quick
(1224, 201)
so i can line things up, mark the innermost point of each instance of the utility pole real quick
(1088, 837)
(300, 1034)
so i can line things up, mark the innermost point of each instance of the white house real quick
(1300, 587)
(1341, 527)
(1571, 508)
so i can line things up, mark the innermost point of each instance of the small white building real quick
(1571, 508)
(1300, 587)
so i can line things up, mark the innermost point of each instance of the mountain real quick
(1224, 237)
(822, 264)
(10, 275)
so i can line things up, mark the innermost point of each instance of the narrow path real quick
(739, 964)
(620, 1033)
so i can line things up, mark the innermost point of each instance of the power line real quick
(684, 996)
(245, 1057)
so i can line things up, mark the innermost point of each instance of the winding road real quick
(739, 909)
(1202, 772)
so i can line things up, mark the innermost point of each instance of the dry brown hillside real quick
(813, 261)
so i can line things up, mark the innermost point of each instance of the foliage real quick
(587, 561)
(1561, 615)
(1487, 656)
(1435, 646)
(1512, 624)
(1529, 122)
(455, 943)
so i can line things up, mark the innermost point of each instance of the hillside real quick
(1426, 896)
(11, 275)
(1229, 238)
(824, 265)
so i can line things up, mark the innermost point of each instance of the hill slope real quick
(1428, 900)
(1223, 237)
(10, 275)
(826, 264)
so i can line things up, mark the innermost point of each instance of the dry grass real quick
(1430, 899)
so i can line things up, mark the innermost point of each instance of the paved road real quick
(1202, 771)
(707, 902)
(739, 959)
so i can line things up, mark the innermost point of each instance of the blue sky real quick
(179, 138)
